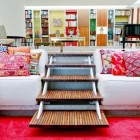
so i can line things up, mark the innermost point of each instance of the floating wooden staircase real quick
(67, 95)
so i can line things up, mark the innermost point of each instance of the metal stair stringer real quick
(94, 90)
(41, 106)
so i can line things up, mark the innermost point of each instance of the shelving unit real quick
(93, 13)
(122, 17)
(37, 25)
(71, 25)
(110, 27)
(112, 21)
(28, 40)
(45, 25)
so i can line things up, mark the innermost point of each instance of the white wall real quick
(12, 17)
(77, 2)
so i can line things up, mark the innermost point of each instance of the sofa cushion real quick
(132, 63)
(119, 90)
(19, 90)
(118, 64)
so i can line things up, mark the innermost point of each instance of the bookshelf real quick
(122, 17)
(71, 25)
(93, 15)
(28, 40)
(110, 27)
(37, 26)
(45, 25)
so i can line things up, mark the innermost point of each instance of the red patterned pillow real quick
(132, 63)
(106, 61)
(118, 65)
(4, 73)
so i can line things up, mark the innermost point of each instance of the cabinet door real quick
(102, 40)
(83, 25)
(102, 17)
(102, 23)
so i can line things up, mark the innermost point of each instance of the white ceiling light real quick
(137, 2)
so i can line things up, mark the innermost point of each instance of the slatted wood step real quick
(70, 78)
(69, 95)
(70, 54)
(70, 65)
(68, 119)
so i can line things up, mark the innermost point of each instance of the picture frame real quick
(57, 22)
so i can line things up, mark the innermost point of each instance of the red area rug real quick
(16, 128)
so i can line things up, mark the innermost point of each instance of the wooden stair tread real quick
(70, 65)
(70, 54)
(70, 78)
(68, 119)
(53, 95)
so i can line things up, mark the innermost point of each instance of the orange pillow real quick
(12, 50)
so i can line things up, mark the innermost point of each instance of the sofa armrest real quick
(98, 61)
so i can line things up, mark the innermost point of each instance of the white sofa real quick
(23, 90)
(117, 90)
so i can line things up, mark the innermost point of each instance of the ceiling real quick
(78, 2)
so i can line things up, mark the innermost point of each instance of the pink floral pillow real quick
(106, 61)
(118, 65)
(4, 73)
(14, 62)
(132, 63)
(15, 65)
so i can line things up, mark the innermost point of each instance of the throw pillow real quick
(4, 73)
(106, 61)
(118, 65)
(34, 64)
(14, 62)
(132, 63)
(12, 50)
(4, 49)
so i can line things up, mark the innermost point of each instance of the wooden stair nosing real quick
(69, 78)
(70, 54)
(68, 119)
(70, 65)
(69, 95)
